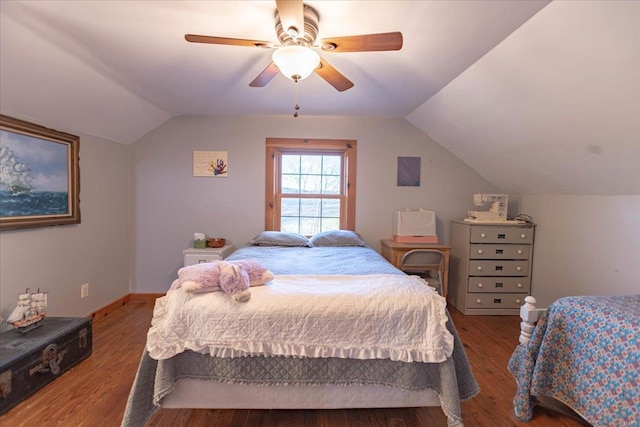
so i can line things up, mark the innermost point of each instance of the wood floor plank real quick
(332, 418)
(431, 417)
(94, 392)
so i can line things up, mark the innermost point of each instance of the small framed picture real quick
(408, 171)
(210, 163)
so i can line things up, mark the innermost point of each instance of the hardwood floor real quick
(94, 392)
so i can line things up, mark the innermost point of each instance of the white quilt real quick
(381, 316)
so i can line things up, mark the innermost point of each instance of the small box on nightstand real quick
(196, 256)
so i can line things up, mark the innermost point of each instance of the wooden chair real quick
(427, 263)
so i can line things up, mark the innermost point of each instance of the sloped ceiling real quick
(554, 108)
(118, 69)
(538, 97)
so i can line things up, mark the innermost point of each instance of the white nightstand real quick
(197, 256)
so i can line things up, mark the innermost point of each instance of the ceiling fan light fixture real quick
(296, 62)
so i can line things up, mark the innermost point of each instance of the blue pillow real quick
(279, 238)
(337, 238)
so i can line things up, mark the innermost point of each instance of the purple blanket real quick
(584, 352)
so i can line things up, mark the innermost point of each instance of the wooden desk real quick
(394, 251)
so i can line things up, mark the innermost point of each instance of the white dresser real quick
(197, 256)
(490, 267)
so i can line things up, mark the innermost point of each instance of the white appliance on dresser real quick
(490, 267)
(196, 256)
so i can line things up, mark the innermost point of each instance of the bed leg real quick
(529, 315)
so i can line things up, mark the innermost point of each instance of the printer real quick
(414, 226)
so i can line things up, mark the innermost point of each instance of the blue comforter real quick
(317, 260)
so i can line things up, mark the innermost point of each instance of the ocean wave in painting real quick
(33, 203)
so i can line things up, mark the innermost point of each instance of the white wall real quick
(169, 204)
(60, 259)
(554, 107)
(584, 245)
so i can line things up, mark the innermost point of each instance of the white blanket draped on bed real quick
(381, 316)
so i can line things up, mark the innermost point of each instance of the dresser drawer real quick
(191, 259)
(479, 251)
(495, 300)
(494, 234)
(499, 284)
(498, 268)
(197, 256)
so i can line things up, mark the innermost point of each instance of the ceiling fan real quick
(296, 26)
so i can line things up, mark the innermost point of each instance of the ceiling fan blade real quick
(194, 38)
(291, 14)
(363, 43)
(265, 76)
(333, 76)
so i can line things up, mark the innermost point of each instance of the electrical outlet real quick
(84, 290)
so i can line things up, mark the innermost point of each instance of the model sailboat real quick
(29, 312)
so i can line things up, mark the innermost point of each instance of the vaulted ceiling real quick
(554, 108)
(538, 97)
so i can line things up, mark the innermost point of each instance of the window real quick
(310, 185)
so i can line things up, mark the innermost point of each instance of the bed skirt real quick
(160, 383)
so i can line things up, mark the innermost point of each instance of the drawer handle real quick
(499, 251)
(519, 268)
(483, 235)
(480, 251)
(519, 285)
(523, 236)
(479, 268)
(499, 268)
(519, 251)
(480, 285)
(478, 301)
(497, 300)
(499, 284)
(518, 301)
(502, 236)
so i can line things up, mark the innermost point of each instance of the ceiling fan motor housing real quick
(311, 20)
(296, 56)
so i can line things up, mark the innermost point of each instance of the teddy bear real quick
(214, 276)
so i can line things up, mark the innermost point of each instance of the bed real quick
(361, 334)
(584, 352)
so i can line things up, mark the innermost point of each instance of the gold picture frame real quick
(39, 175)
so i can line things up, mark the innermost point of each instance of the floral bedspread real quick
(584, 352)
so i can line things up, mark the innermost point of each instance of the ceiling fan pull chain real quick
(295, 100)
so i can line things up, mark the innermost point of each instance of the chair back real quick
(424, 261)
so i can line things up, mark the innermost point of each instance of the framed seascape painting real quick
(39, 175)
